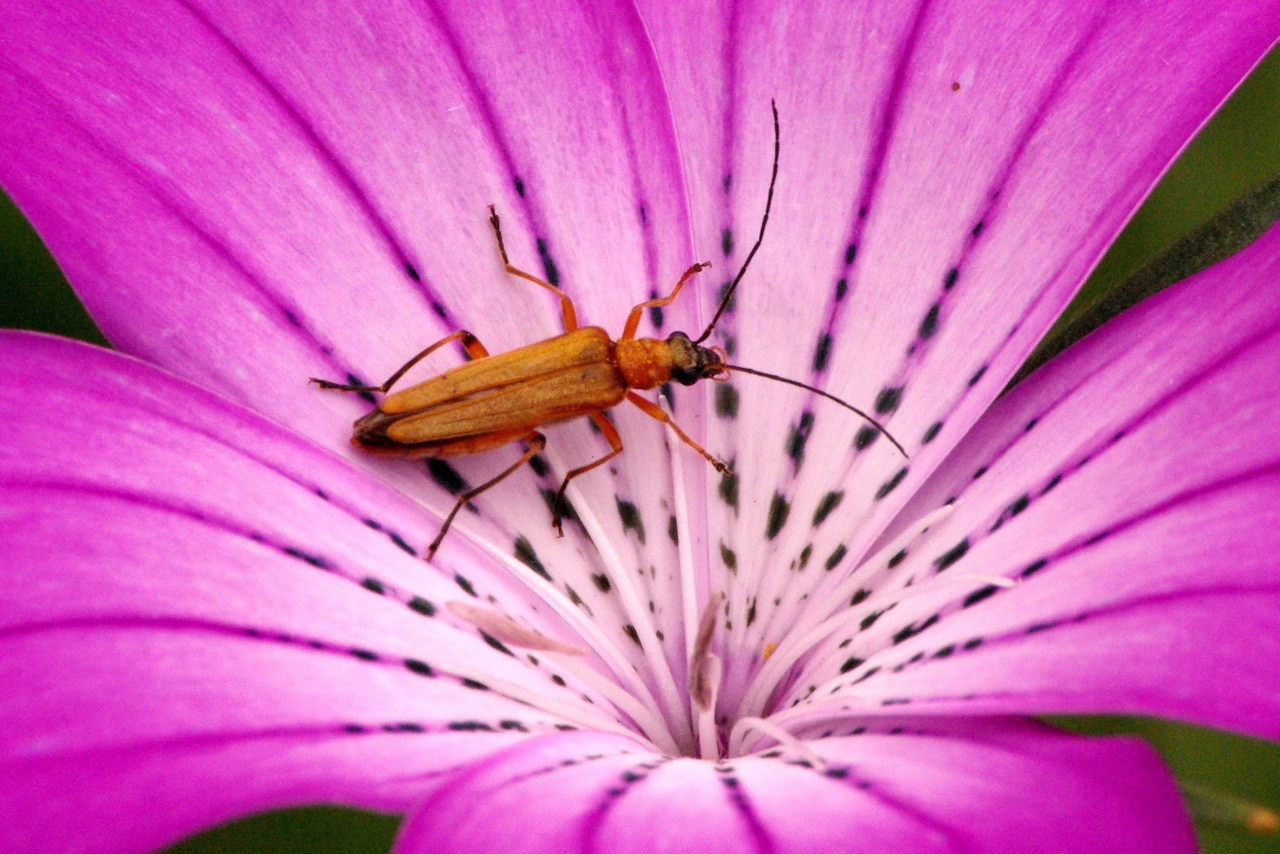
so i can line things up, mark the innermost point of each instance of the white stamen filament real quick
(800, 639)
(708, 734)
(738, 738)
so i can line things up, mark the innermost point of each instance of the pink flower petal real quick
(1130, 490)
(192, 592)
(1000, 787)
(950, 173)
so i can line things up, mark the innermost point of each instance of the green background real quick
(1240, 147)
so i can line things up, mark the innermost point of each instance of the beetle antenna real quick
(724, 303)
(865, 417)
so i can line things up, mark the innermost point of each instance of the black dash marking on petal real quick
(895, 701)
(363, 654)
(519, 186)
(1053, 482)
(779, 510)
(914, 629)
(496, 644)
(576, 599)
(860, 596)
(527, 556)
(1030, 425)
(870, 620)
(514, 726)
(972, 643)
(630, 517)
(421, 668)
(474, 685)
(929, 325)
(977, 376)
(633, 634)
(673, 530)
(668, 395)
(1033, 568)
(851, 663)
(539, 465)
(558, 679)
(447, 477)
(951, 555)
(798, 438)
(656, 317)
(601, 582)
(548, 266)
(728, 557)
(315, 560)
(469, 726)
(829, 502)
(729, 489)
(751, 612)
(465, 585)
(977, 229)
(949, 281)
(946, 651)
(891, 484)
(931, 433)
(373, 585)
(864, 437)
(354, 729)
(422, 606)
(980, 472)
(822, 353)
(842, 288)
(833, 560)
(850, 253)
(898, 557)
(888, 400)
(726, 401)
(1040, 627)
(412, 272)
(726, 242)
(978, 595)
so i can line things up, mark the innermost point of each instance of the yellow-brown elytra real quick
(493, 401)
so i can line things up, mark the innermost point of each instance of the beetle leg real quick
(566, 304)
(475, 350)
(633, 319)
(536, 443)
(615, 441)
(654, 411)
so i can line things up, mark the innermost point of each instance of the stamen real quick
(708, 734)
(1227, 810)
(801, 638)
(738, 738)
(508, 631)
(700, 689)
(645, 717)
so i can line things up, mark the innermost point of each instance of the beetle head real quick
(691, 362)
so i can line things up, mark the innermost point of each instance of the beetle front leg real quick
(633, 319)
(566, 304)
(654, 411)
(536, 443)
(470, 343)
(615, 441)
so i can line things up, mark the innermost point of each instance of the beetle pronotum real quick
(493, 401)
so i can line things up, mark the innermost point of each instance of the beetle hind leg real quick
(536, 443)
(615, 442)
(470, 343)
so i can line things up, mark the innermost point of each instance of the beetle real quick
(494, 400)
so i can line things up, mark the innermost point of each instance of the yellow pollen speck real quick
(768, 650)
(1262, 821)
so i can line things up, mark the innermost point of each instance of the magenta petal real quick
(1131, 490)
(950, 172)
(204, 616)
(1000, 787)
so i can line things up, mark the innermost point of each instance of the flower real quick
(209, 611)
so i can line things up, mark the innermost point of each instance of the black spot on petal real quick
(865, 436)
(837, 555)
(891, 484)
(726, 400)
(525, 554)
(929, 325)
(949, 281)
(978, 595)
(779, 510)
(729, 558)
(829, 502)
(630, 517)
(729, 489)
(422, 606)
(951, 555)
(550, 272)
(821, 353)
(602, 582)
(888, 400)
(931, 433)
(977, 376)
(464, 584)
(446, 477)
